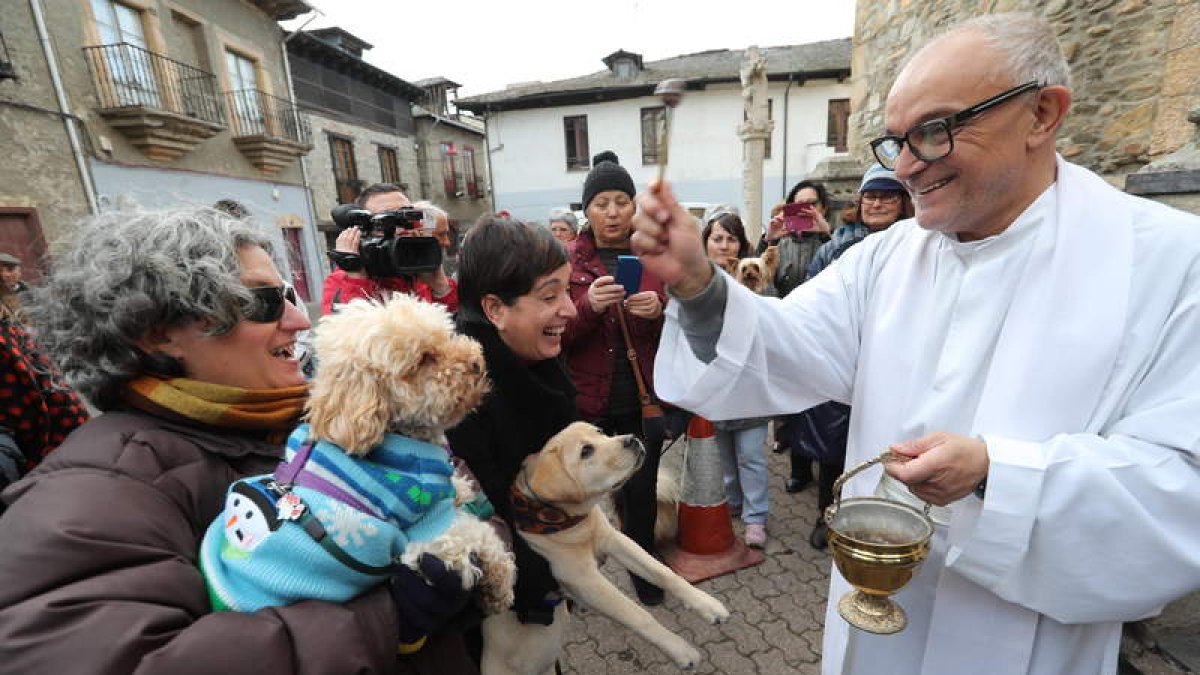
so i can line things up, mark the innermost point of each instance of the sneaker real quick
(818, 538)
(756, 535)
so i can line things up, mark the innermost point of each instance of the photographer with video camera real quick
(386, 246)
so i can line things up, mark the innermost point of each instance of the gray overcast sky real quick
(485, 45)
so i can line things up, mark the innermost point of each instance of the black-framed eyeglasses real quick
(268, 303)
(880, 196)
(933, 140)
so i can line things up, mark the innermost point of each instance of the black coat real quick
(527, 405)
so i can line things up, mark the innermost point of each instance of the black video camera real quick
(380, 251)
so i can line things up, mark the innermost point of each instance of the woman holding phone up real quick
(799, 229)
(595, 346)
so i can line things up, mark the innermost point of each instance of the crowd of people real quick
(1037, 396)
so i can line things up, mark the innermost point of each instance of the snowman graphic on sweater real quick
(325, 525)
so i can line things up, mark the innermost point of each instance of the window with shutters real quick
(652, 124)
(389, 165)
(576, 132)
(839, 124)
(449, 173)
(345, 171)
(470, 179)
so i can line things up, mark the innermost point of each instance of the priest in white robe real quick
(1031, 339)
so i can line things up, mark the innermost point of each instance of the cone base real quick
(695, 567)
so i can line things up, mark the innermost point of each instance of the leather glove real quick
(428, 599)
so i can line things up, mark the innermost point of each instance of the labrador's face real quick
(581, 463)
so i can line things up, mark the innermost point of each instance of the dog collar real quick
(535, 517)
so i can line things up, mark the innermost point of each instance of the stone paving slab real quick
(777, 610)
(776, 607)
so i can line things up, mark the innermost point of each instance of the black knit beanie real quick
(606, 174)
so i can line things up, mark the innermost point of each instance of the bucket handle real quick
(884, 458)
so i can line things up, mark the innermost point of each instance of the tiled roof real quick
(830, 58)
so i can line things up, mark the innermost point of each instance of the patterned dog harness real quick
(536, 517)
(292, 507)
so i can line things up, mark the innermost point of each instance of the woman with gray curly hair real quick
(179, 327)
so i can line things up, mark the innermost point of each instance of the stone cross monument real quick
(754, 132)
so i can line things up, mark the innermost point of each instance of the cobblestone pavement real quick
(778, 609)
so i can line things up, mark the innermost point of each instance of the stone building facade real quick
(370, 154)
(454, 166)
(1135, 66)
(154, 103)
(361, 120)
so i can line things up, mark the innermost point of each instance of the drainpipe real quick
(85, 176)
(784, 187)
(314, 283)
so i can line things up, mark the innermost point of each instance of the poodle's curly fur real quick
(399, 367)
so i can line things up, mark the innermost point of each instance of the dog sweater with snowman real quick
(325, 525)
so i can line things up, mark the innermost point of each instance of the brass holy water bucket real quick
(877, 545)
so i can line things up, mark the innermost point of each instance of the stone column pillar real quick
(754, 132)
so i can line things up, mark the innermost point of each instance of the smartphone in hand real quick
(629, 273)
(797, 217)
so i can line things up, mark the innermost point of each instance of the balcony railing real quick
(128, 76)
(257, 113)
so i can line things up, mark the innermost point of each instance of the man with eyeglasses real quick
(1029, 341)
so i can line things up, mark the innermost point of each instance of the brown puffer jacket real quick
(98, 553)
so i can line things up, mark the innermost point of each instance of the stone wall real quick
(463, 209)
(39, 171)
(367, 141)
(1135, 63)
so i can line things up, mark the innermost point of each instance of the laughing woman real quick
(179, 327)
(517, 307)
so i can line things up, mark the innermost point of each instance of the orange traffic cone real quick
(705, 546)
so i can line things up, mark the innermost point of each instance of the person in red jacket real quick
(342, 286)
(595, 349)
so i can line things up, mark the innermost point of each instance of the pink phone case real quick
(797, 217)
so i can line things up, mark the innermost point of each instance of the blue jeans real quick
(744, 459)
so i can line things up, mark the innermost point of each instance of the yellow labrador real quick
(556, 496)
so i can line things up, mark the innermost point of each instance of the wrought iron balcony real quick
(164, 106)
(269, 130)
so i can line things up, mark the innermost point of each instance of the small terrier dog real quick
(757, 274)
(367, 480)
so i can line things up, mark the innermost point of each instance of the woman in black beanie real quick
(594, 346)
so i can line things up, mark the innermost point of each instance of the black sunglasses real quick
(268, 303)
(933, 140)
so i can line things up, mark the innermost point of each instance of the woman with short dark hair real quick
(596, 349)
(514, 299)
